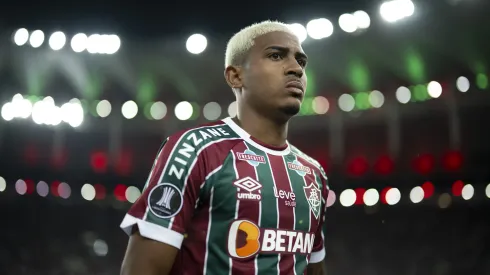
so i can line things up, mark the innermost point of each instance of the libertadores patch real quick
(165, 200)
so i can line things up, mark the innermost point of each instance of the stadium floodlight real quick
(183, 110)
(36, 39)
(196, 43)
(319, 28)
(395, 10)
(348, 23)
(79, 42)
(57, 41)
(300, 31)
(362, 19)
(21, 36)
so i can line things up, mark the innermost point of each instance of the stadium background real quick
(393, 114)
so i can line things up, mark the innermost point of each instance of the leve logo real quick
(245, 239)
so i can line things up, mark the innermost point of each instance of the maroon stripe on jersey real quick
(286, 213)
(246, 209)
(139, 207)
(194, 247)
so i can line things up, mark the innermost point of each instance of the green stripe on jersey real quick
(184, 155)
(301, 211)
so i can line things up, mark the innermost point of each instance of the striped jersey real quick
(232, 204)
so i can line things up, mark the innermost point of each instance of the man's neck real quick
(264, 129)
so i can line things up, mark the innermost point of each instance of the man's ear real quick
(233, 76)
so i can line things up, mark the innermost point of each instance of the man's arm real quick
(158, 220)
(148, 257)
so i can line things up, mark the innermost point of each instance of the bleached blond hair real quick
(239, 45)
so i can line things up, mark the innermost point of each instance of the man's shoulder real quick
(311, 161)
(202, 134)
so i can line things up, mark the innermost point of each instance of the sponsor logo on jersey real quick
(165, 200)
(314, 197)
(187, 149)
(245, 239)
(251, 157)
(288, 197)
(299, 168)
(248, 189)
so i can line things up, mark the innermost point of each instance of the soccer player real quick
(234, 197)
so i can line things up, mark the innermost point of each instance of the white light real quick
(403, 95)
(346, 102)
(395, 10)
(319, 28)
(54, 116)
(36, 39)
(362, 19)
(57, 41)
(21, 187)
(79, 42)
(94, 43)
(232, 109)
(158, 110)
(42, 188)
(39, 112)
(129, 109)
(434, 89)
(8, 111)
(211, 111)
(463, 84)
(100, 248)
(88, 192)
(487, 191)
(467, 192)
(371, 197)
(376, 99)
(72, 113)
(300, 31)
(3, 184)
(196, 43)
(347, 23)
(393, 196)
(21, 37)
(103, 108)
(132, 194)
(183, 110)
(64, 190)
(112, 44)
(417, 194)
(347, 197)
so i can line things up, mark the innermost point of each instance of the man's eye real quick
(302, 62)
(275, 56)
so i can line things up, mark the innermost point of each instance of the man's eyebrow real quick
(285, 49)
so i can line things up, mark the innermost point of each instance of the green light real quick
(362, 101)
(420, 93)
(359, 76)
(195, 111)
(415, 66)
(147, 110)
(146, 90)
(93, 88)
(311, 86)
(481, 81)
(306, 107)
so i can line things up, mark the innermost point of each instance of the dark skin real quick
(266, 99)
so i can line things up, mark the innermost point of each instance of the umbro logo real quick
(248, 189)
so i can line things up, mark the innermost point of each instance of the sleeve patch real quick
(165, 200)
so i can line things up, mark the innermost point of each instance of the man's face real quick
(274, 73)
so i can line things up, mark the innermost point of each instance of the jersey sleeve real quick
(169, 198)
(318, 252)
